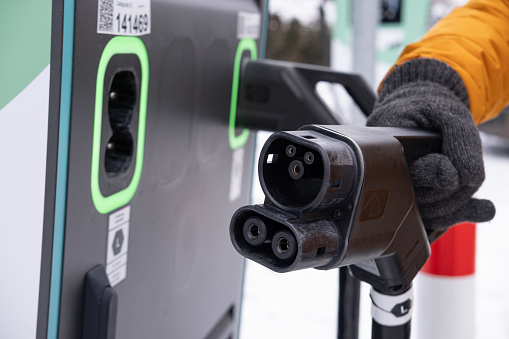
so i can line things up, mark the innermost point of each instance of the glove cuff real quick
(425, 70)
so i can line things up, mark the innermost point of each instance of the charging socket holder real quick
(119, 45)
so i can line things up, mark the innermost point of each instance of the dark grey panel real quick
(183, 275)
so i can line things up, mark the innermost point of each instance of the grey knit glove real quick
(429, 94)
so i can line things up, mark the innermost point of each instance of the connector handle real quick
(354, 84)
(279, 95)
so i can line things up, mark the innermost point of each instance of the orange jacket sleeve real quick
(474, 40)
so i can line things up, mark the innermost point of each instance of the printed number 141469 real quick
(129, 23)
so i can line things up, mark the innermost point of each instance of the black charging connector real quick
(338, 196)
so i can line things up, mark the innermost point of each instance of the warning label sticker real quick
(123, 17)
(118, 239)
(248, 25)
(236, 174)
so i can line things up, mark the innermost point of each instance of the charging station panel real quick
(155, 166)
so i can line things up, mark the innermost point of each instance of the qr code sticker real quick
(106, 15)
(123, 17)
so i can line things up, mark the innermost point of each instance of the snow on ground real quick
(493, 246)
(303, 304)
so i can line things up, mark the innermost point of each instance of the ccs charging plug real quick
(338, 196)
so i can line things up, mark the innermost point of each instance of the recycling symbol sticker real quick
(118, 237)
(118, 241)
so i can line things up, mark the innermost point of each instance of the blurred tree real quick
(293, 41)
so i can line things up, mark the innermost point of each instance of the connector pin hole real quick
(254, 231)
(296, 169)
(309, 158)
(283, 245)
(291, 150)
(321, 251)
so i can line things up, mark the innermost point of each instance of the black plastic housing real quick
(355, 207)
(279, 95)
(101, 304)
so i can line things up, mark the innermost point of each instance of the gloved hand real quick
(429, 94)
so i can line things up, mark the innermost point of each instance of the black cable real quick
(390, 332)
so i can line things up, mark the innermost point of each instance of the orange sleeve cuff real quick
(474, 41)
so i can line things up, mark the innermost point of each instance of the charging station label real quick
(118, 239)
(124, 17)
(248, 25)
(236, 174)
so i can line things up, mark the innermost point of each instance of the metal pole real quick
(366, 14)
(447, 286)
(365, 22)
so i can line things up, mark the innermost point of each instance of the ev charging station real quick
(125, 164)
(123, 167)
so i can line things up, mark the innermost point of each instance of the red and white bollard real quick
(445, 293)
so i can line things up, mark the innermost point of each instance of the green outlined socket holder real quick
(119, 45)
(237, 141)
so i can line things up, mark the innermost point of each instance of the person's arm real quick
(455, 77)
(474, 41)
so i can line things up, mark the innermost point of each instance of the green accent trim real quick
(237, 141)
(25, 45)
(119, 45)
(63, 158)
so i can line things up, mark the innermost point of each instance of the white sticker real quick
(389, 310)
(118, 240)
(118, 275)
(116, 264)
(236, 173)
(118, 218)
(248, 25)
(123, 17)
